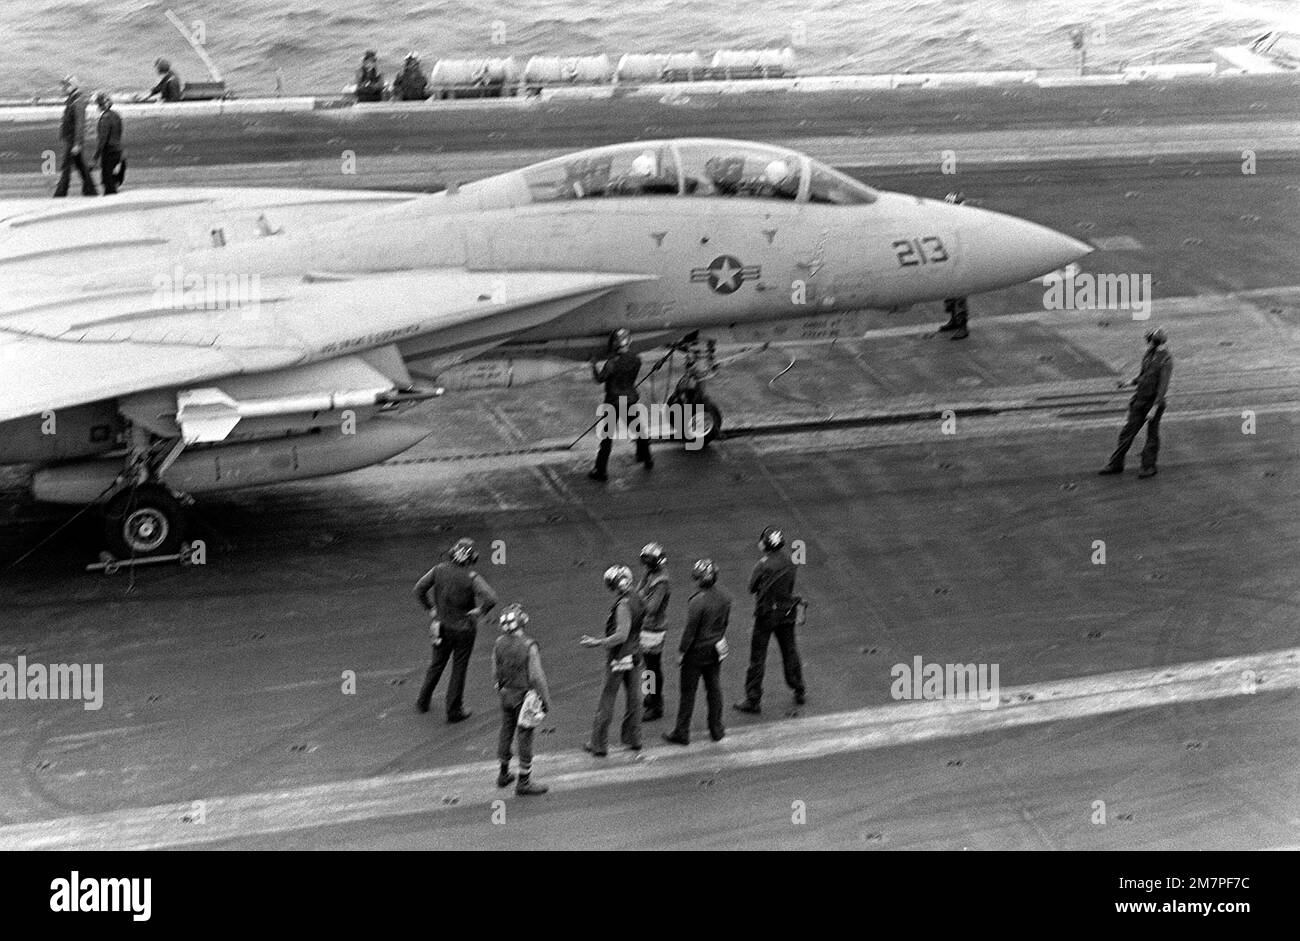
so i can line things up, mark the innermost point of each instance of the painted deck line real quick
(396, 795)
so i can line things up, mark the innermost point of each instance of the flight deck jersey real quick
(1157, 361)
(619, 373)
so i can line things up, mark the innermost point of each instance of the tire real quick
(144, 521)
(708, 426)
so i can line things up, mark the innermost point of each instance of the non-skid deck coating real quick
(975, 547)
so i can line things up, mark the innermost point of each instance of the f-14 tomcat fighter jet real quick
(174, 342)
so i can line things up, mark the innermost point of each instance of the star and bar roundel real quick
(725, 274)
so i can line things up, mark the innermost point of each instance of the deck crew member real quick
(619, 374)
(622, 648)
(775, 612)
(517, 671)
(1152, 381)
(72, 139)
(108, 144)
(455, 596)
(956, 307)
(168, 87)
(410, 84)
(370, 83)
(654, 589)
(701, 651)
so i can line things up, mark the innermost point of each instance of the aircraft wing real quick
(86, 347)
(53, 242)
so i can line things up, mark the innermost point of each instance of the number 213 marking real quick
(922, 251)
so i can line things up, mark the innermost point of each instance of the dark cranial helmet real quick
(704, 572)
(1156, 335)
(162, 65)
(771, 538)
(620, 340)
(463, 552)
(653, 555)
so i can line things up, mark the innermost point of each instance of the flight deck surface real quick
(223, 682)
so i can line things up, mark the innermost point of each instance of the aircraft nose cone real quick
(1013, 250)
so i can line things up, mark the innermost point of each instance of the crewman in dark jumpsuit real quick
(622, 648)
(655, 590)
(1152, 382)
(370, 83)
(72, 138)
(410, 84)
(707, 614)
(460, 596)
(619, 373)
(956, 307)
(108, 147)
(775, 612)
(169, 86)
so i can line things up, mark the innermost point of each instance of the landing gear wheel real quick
(705, 426)
(703, 421)
(144, 521)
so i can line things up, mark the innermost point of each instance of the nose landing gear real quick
(692, 415)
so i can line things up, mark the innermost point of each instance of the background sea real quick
(315, 45)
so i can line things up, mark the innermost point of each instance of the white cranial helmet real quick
(644, 164)
(776, 171)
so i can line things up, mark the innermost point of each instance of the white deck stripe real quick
(773, 743)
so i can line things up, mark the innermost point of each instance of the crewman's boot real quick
(1147, 472)
(505, 778)
(954, 321)
(1111, 469)
(960, 333)
(526, 787)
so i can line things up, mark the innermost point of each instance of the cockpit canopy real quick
(713, 168)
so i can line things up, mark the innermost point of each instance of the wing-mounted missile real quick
(210, 415)
(244, 464)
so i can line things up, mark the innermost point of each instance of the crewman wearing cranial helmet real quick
(776, 611)
(455, 597)
(622, 648)
(1152, 381)
(619, 374)
(703, 647)
(525, 698)
(655, 591)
